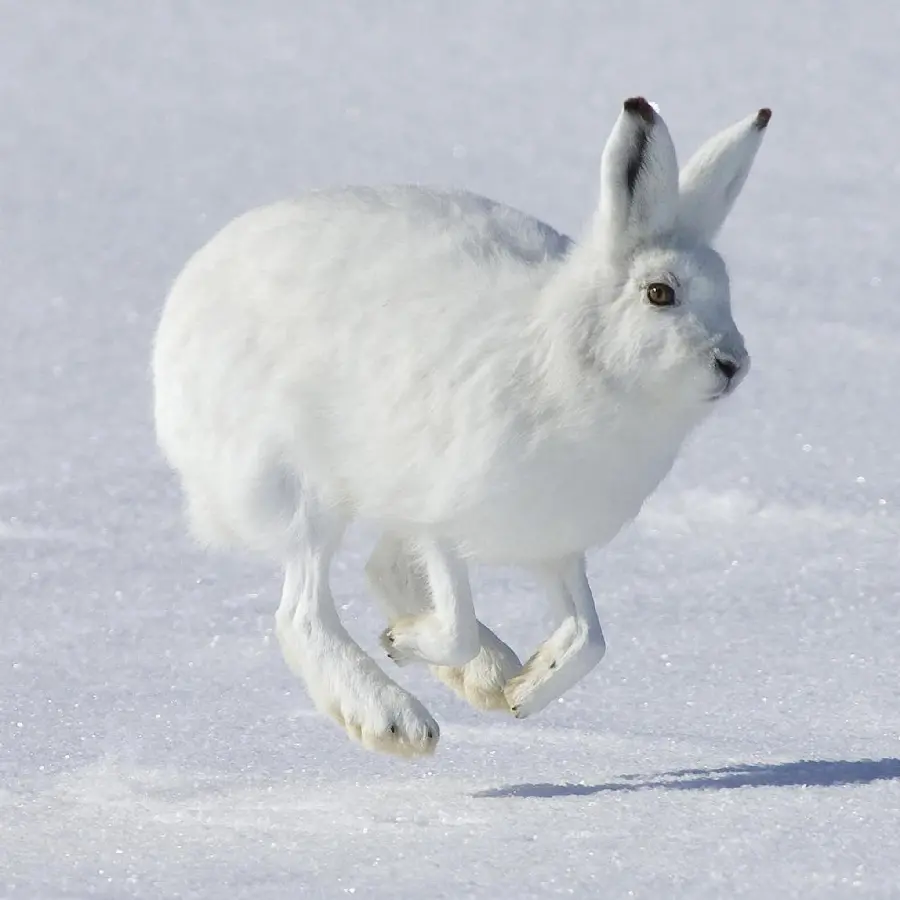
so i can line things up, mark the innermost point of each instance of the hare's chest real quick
(564, 500)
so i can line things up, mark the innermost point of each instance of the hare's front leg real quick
(342, 680)
(398, 581)
(570, 652)
(446, 632)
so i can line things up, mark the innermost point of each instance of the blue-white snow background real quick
(741, 737)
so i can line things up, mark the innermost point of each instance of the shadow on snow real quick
(803, 773)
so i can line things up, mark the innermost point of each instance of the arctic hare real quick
(465, 378)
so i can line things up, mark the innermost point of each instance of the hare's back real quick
(404, 250)
(482, 228)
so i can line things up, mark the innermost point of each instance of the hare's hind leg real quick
(570, 652)
(398, 580)
(342, 680)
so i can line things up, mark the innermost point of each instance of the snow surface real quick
(742, 737)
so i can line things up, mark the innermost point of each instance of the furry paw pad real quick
(391, 722)
(481, 682)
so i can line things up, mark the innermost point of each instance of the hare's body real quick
(302, 363)
(463, 377)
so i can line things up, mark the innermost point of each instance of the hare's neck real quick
(568, 323)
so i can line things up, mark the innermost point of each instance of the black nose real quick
(728, 367)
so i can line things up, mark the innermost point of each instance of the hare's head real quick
(666, 323)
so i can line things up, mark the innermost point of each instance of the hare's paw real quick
(345, 684)
(426, 638)
(560, 662)
(481, 681)
(385, 719)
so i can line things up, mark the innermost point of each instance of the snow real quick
(742, 736)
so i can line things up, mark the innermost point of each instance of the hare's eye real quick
(660, 294)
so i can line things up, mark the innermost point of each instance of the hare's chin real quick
(725, 391)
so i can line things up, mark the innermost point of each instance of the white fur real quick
(475, 384)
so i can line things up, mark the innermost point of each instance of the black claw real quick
(429, 734)
(553, 664)
(393, 729)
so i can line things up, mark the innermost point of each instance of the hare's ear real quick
(715, 174)
(638, 178)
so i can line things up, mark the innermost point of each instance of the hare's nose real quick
(727, 366)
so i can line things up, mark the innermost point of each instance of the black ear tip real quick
(640, 107)
(762, 118)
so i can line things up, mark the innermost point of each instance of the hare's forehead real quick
(701, 266)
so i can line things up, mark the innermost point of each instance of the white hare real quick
(471, 382)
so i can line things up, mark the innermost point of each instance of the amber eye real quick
(660, 294)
